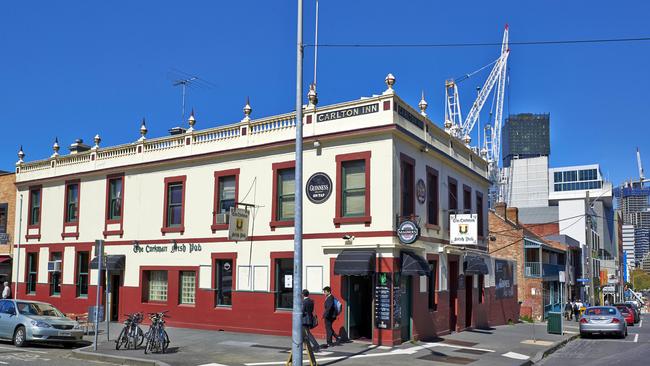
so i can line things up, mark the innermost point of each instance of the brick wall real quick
(509, 244)
(8, 195)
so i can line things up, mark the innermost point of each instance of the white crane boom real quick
(638, 161)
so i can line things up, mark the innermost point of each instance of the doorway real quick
(115, 297)
(469, 289)
(405, 298)
(359, 299)
(453, 294)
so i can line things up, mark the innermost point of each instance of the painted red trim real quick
(274, 204)
(232, 256)
(179, 229)
(40, 213)
(75, 224)
(387, 105)
(435, 225)
(467, 189)
(107, 221)
(405, 159)
(173, 283)
(223, 153)
(217, 176)
(273, 256)
(339, 219)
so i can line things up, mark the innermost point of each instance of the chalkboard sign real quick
(397, 301)
(382, 300)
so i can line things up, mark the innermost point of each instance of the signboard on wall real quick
(318, 188)
(382, 300)
(504, 279)
(463, 229)
(238, 224)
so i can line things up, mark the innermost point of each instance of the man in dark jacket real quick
(329, 315)
(308, 320)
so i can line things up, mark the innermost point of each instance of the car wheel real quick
(19, 337)
(583, 335)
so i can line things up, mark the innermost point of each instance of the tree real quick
(640, 279)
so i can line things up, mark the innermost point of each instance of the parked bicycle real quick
(156, 337)
(131, 335)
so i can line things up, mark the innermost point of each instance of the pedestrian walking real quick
(6, 292)
(332, 310)
(576, 310)
(309, 321)
(568, 310)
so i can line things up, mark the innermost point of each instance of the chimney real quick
(78, 146)
(512, 214)
(500, 209)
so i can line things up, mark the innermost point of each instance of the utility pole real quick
(296, 329)
(20, 227)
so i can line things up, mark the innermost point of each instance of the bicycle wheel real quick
(140, 336)
(164, 340)
(121, 340)
(147, 346)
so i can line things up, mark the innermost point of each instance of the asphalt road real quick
(599, 350)
(40, 355)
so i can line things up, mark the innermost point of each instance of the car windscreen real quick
(623, 309)
(600, 311)
(41, 309)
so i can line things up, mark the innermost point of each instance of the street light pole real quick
(20, 227)
(296, 329)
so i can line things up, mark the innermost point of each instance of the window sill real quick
(338, 221)
(82, 297)
(283, 310)
(187, 305)
(55, 295)
(108, 233)
(35, 236)
(432, 226)
(286, 223)
(70, 235)
(178, 229)
(223, 307)
(156, 303)
(216, 227)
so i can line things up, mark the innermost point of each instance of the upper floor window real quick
(226, 195)
(115, 198)
(354, 188)
(479, 212)
(174, 204)
(432, 197)
(453, 194)
(286, 194)
(407, 167)
(557, 177)
(72, 202)
(4, 212)
(34, 206)
(467, 199)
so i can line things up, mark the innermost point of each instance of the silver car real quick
(24, 321)
(603, 320)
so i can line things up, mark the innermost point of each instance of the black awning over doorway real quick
(112, 263)
(355, 262)
(475, 265)
(414, 265)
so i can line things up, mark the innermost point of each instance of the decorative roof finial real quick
(143, 130)
(247, 111)
(21, 155)
(97, 141)
(390, 81)
(312, 96)
(423, 105)
(56, 147)
(192, 121)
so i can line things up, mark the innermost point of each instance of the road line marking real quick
(4, 363)
(23, 350)
(636, 338)
(641, 323)
(516, 356)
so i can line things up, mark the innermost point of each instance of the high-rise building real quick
(628, 247)
(641, 243)
(633, 199)
(525, 135)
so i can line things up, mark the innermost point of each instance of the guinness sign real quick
(319, 188)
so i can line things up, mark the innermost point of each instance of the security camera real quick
(347, 237)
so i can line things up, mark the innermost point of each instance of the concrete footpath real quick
(519, 344)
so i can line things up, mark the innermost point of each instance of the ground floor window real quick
(82, 274)
(32, 272)
(157, 285)
(223, 282)
(284, 283)
(55, 274)
(188, 287)
(433, 278)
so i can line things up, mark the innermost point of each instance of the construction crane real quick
(642, 177)
(462, 129)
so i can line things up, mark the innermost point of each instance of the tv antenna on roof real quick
(185, 80)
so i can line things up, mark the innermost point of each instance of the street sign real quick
(582, 280)
(562, 276)
(238, 224)
(609, 290)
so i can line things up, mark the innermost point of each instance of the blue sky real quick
(76, 68)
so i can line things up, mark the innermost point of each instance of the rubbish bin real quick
(554, 323)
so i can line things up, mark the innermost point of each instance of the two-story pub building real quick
(158, 204)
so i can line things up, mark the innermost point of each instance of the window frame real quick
(107, 221)
(4, 206)
(146, 288)
(467, 193)
(406, 160)
(66, 223)
(275, 257)
(339, 219)
(275, 222)
(50, 275)
(433, 173)
(480, 214)
(78, 273)
(451, 181)
(30, 225)
(217, 197)
(28, 272)
(180, 286)
(182, 179)
(434, 262)
(232, 257)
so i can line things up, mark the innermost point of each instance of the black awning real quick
(355, 262)
(414, 265)
(475, 265)
(112, 263)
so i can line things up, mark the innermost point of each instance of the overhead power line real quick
(479, 44)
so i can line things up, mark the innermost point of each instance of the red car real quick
(627, 314)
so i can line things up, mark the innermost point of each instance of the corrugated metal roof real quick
(538, 215)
